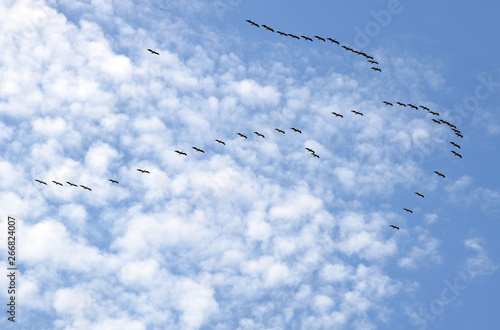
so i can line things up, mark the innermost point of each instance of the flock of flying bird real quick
(296, 130)
(369, 58)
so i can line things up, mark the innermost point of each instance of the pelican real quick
(372, 62)
(71, 184)
(419, 194)
(85, 187)
(153, 52)
(260, 134)
(294, 36)
(279, 130)
(440, 174)
(320, 38)
(199, 150)
(388, 103)
(375, 69)
(314, 155)
(459, 135)
(408, 210)
(220, 141)
(395, 227)
(296, 130)
(114, 181)
(356, 112)
(333, 41)
(267, 27)
(253, 23)
(281, 33)
(434, 113)
(455, 145)
(180, 152)
(337, 114)
(413, 106)
(306, 38)
(242, 135)
(371, 58)
(425, 108)
(401, 104)
(40, 181)
(456, 153)
(142, 171)
(57, 183)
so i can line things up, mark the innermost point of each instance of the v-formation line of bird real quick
(369, 58)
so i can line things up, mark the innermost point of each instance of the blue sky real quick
(256, 233)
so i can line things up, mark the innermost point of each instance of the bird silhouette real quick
(71, 184)
(434, 113)
(419, 194)
(114, 181)
(424, 107)
(253, 23)
(85, 187)
(408, 210)
(315, 155)
(180, 152)
(440, 174)
(333, 41)
(220, 141)
(279, 130)
(294, 36)
(436, 121)
(153, 52)
(372, 62)
(388, 103)
(242, 135)
(281, 33)
(310, 150)
(413, 106)
(356, 112)
(143, 171)
(455, 145)
(40, 181)
(320, 38)
(401, 104)
(199, 150)
(306, 38)
(395, 227)
(267, 28)
(456, 153)
(459, 135)
(57, 183)
(337, 114)
(375, 69)
(259, 134)
(296, 130)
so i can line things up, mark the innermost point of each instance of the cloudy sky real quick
(257, 233)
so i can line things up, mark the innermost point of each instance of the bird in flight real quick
(260, 134)
(281, 33)
(395, 227)
(306, 38)
(310, 150)
(425, 108)
(388, 103)
(413, 106)
(296, 130)
(294, 36)
(315, 155)
(456, 153)
(419, 194)
(440, 174)
(408, 210)
(40, 181)
(71, 184)
(180, 152)
(333, 41)
(436, 121)
(434, 113)
(356, 112)
(114, 181)
(375, 69)
(242, 135)
(455, 145)
(57, 183)
(459, 135)
(401, 104)
(199, 150)
(142, 171)
(337, 114)
(279, 130)
(253, 23)
(372, 62)
(85, 187)
(153, 52)
(220, 141)
(320, 38)
(267, 28)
